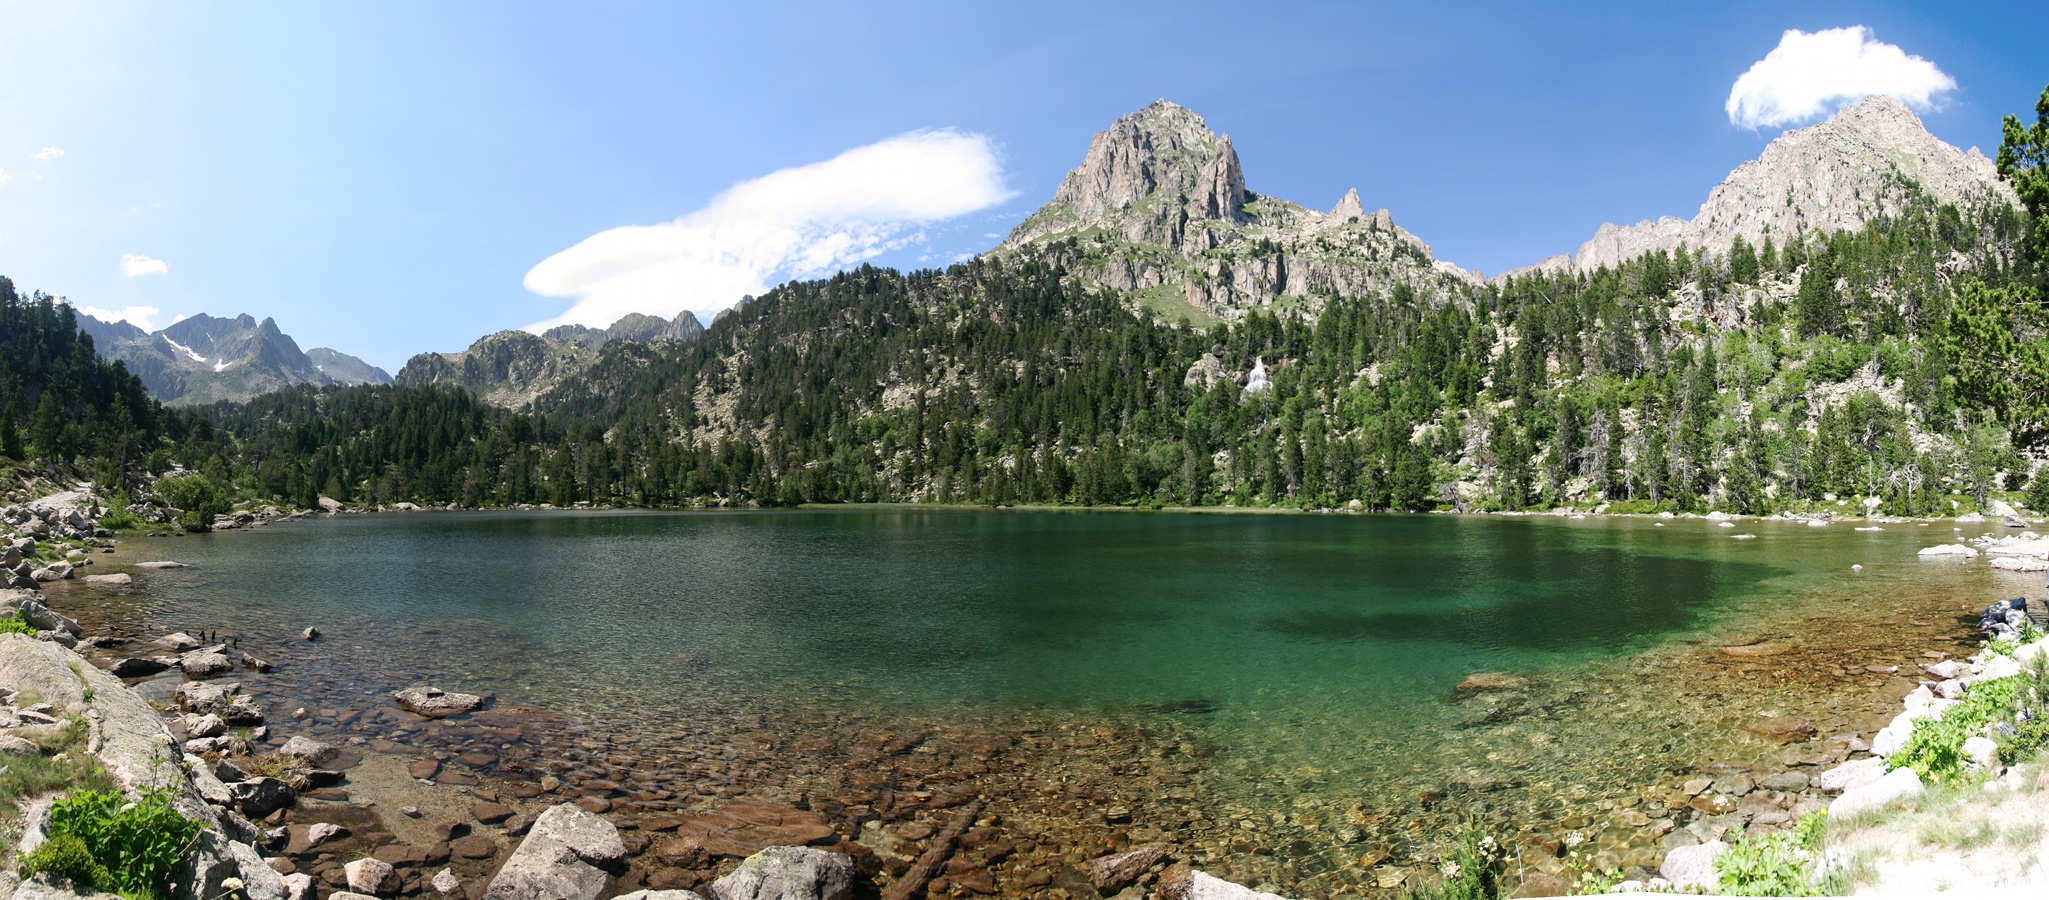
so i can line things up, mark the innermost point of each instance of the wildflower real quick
(231, 884)
(1450, 869)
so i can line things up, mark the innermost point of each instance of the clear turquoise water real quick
(1313, 656)
(914, 607)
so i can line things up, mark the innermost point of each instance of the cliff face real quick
(1864, 163)
(1159, 205)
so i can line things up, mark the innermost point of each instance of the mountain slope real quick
(1865, 163)
(1159, 207)
(204, 359)
(510, 368)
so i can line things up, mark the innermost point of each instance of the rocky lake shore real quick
(1662, 750)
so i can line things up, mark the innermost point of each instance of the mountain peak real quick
(1147, 177)
(1868, 161)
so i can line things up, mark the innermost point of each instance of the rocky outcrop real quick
(1159, 204)
(1868, 161)
(133, 747)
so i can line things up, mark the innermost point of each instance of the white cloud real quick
(794, 223)
(1806, 73)
(49, 153)
(136, 265)
(141, 317)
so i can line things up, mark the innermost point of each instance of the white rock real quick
(371, 876)
(789, 873)
(1948, 668)
(1997, 667)
(1855, 773)
(1200, 885)
(1894, 736)
(1949, 690)
(1982, 752)
(2028, 653)
(299, 886)
(1692, 867)
(1949, 551)
(1898, 784)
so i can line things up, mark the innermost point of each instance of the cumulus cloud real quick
(49, 153)
(1807, 73)
(142, 317)
(799, 222)
(136, 265)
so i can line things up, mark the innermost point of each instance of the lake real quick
(1201, 669)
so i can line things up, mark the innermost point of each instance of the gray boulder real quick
(1180, 882)
(789, 873)
(137, 667)
(1692, 867)
(259, 797)
(209, 662)
(568, 855)
(435, 703)
(372, 876)
(1898, 784)
(308, 749)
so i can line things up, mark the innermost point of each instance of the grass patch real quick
(15, 624)
(56, 768)
(1778, 863)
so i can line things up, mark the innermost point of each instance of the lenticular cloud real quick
(1806, 73)
(797, 222)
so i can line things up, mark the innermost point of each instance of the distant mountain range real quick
(204, 359)
(511, 368)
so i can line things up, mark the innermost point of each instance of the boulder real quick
(179, 642)
(1982, 752)
(435, 703)
(308, 749)
(1181, 882)
(789, 873)
(372, 876)
(446, 886)
(299, 886)
(566, 856)
(56, 571)
(661, 895)
(1949, 551)
(1946, 669)
(1763, 648)
(1692, 867)
(137, 667)
(1897, 784)
(11, 745)
(204, 725)
(259, 797)
(204, 663)
(1113, 872)
(161, 564)
(116, 580)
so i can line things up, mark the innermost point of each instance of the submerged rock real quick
(1491, 681)
(1112, 873)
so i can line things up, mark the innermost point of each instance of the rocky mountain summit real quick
(1159, 206)
(1867, 162)
(511, 368)
(205, 358)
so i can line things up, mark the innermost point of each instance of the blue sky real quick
(383, 178)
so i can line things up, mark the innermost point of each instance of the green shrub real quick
(197, 495)
(1776, 864)
(15, 624)
(1936, 750)
(1471, 872)
(64, 857)
(135, 845)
